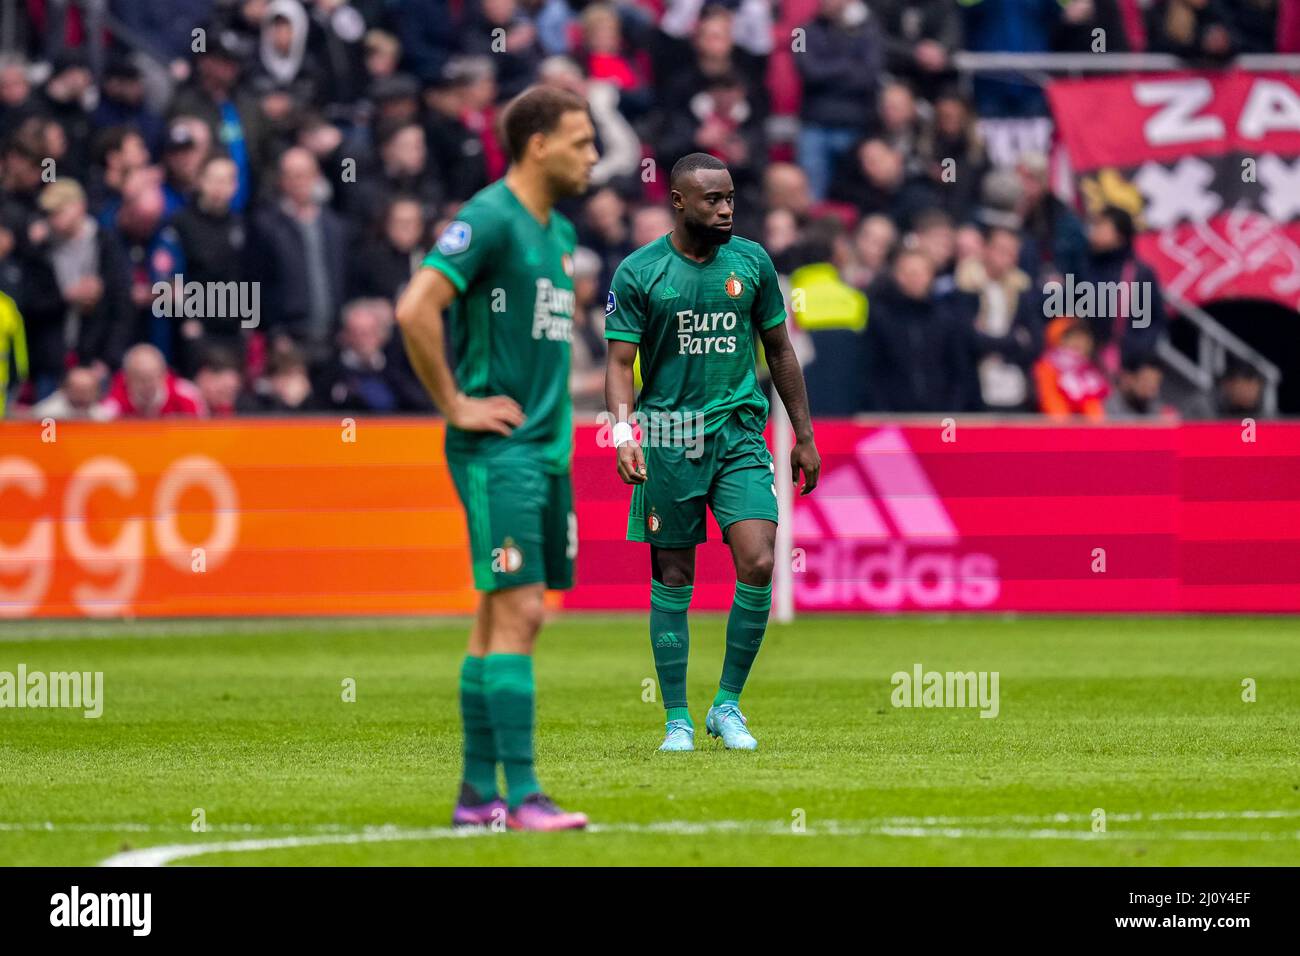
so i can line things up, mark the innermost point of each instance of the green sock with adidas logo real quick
(670, 641)
(745, 629)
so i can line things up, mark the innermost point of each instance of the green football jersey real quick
(512, 323)
(695, 324)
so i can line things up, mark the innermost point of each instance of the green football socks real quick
(670, 641)
(480, 748)
(509, 690)
(745, 628)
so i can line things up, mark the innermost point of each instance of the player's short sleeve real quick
(468, 247)
(769, 305)
(624, 307)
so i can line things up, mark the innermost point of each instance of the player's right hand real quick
(631, 463)
(496, 413)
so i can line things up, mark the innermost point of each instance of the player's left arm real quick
(787, 378)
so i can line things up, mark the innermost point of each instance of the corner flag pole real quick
(783, 573)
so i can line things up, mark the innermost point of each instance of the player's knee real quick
(516, 618)
(756, 568)
(677, 575)
(530, 612)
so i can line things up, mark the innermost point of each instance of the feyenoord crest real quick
(566, 261)
(512, 559)
(652, 522)
(734, 286)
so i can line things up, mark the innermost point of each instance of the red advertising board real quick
(1006, 518)
(305, 517)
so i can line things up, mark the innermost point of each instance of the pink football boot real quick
(537, 812)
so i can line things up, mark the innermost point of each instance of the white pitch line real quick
(1110, 817)
(50, 827)
(164, 855)
(896, 822)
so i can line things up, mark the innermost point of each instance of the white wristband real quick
(622, 434)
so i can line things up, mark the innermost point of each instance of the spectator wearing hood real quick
(283, 57)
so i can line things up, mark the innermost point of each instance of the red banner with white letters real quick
(1208, 162)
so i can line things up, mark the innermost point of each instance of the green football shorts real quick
(734, 477)
(522, 529)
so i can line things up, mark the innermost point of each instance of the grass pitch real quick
(1140, 718)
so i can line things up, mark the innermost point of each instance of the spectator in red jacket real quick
(1069, 382)
(602, 49)
(147, 388)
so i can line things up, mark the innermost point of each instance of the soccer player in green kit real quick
(692, 303)
(503, 272)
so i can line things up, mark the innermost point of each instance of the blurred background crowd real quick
(317, 147)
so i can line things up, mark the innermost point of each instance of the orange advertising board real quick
(255, 517)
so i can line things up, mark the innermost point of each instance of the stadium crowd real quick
(313, 150)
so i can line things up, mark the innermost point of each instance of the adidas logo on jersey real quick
(877, 535)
